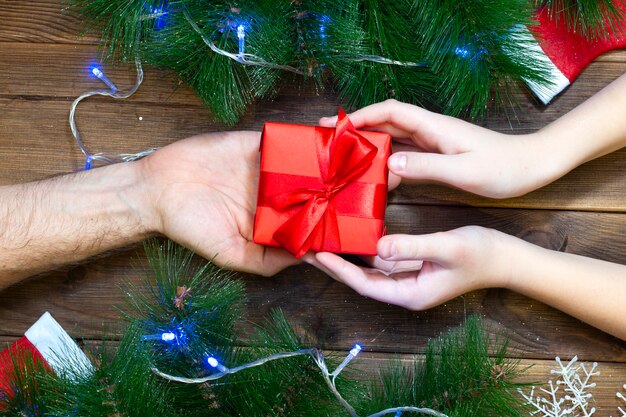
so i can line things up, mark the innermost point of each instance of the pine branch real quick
(23, 395)
(121, 386)
(185, 319)
(449, 55)
(457, 376)
(593, 18)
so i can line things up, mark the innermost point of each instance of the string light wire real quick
(250, 59)
(242, 57)
(318, 358)
(115, 93)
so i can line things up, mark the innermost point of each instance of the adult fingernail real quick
(397, 162)
(388, 250)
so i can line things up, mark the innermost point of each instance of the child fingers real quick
(431, 247)
(369, 284)
(447, 169)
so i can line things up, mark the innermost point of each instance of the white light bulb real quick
(214, 363)
(355, 350)
(100, 75)
(351, 355)
(168, 337)
(241, 35)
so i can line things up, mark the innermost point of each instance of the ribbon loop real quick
(343, 157)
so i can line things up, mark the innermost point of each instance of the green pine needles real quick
(592, 18)
(460, 57)
(186, 313)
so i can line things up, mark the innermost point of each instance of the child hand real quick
(420, 272)
(450, 151)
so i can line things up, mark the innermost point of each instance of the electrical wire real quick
(318, 358)
(113, 92)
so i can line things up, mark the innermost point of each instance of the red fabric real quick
(7, 356)
(571, 52)
(322, 189)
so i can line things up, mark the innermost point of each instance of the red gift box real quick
(322, 189)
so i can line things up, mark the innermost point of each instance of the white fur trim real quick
(58, 348)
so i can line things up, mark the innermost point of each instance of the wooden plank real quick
(595, 186)
(610, 380)
(43, 21)
(62, 71)
(84, 297)
(35, 142)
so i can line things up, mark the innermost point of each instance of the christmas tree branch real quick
(446, 54)
(241, 57)
(318, 358)
(174, 359)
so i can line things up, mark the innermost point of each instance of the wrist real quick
(555, 154)
(521, 259)
(140, 194)
(510, 261)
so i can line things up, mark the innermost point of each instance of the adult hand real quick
(420, 272)
(447, 150)
(203, 190)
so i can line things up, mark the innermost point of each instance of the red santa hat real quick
(46, 341)
(566, 52)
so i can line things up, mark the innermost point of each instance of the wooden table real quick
(44, 66)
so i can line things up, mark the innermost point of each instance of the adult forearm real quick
(593, 129)
(51, 223)
(588, 289)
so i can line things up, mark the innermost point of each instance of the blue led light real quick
(100, 75)
(88, 163)
(160, 15)
(355, 350)
(241, 35)
(470, 52)
(168, 337)
(324, 20)
(462, 52)
(398, 413)
(322, 31)
(212, 362)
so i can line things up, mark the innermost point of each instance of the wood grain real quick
(45, 65)
(85, 297)
(41, 21)
(35, 103)
(36, 142)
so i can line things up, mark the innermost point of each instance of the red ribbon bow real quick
(343, 157)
